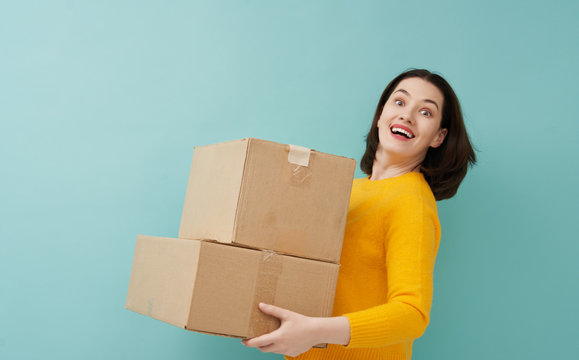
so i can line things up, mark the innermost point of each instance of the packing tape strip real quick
(299, 155)
(265, 289)
(300, 175)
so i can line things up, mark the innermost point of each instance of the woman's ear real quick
(439, 138)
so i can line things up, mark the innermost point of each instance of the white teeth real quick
(397, 129)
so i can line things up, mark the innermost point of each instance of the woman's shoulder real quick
(415, 185)
(409, 190)
(411, 184)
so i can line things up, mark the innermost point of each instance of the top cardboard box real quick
(266, 195)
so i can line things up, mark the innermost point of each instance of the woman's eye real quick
(399, 102)
(425, 113)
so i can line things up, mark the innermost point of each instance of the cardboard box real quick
(215, 288)
(267, 195)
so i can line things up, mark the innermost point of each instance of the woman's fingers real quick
(273, 310)
(289, 339)
(272, 348)
(267, 339)
(263, 340)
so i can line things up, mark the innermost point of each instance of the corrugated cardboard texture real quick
(301, 285)
(215, 288)
(162, 278)
(224, 289)
(213, 191)
(278, 205)
(294, 209)
(306, 286)
(270, 269)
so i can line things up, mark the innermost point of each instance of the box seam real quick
(241, 190)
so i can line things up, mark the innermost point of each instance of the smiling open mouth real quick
(399, 131)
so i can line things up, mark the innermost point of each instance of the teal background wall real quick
(102, 102)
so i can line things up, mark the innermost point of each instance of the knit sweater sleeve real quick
(412, 234)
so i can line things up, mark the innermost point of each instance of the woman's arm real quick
(411, 244)
(298, 333)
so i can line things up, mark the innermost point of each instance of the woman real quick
(417, 152)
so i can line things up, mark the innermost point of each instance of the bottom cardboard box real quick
(215, 288)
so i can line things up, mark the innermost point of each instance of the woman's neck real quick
(385, 166)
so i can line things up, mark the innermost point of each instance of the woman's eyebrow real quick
(425, 100)
(432, 101)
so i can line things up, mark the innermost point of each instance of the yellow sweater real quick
(385, 280)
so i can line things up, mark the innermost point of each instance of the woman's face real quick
(410, 121)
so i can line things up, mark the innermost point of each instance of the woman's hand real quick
(296, 334)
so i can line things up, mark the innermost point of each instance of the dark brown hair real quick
(444, 167)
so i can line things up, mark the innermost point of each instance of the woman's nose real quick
(406, 117)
